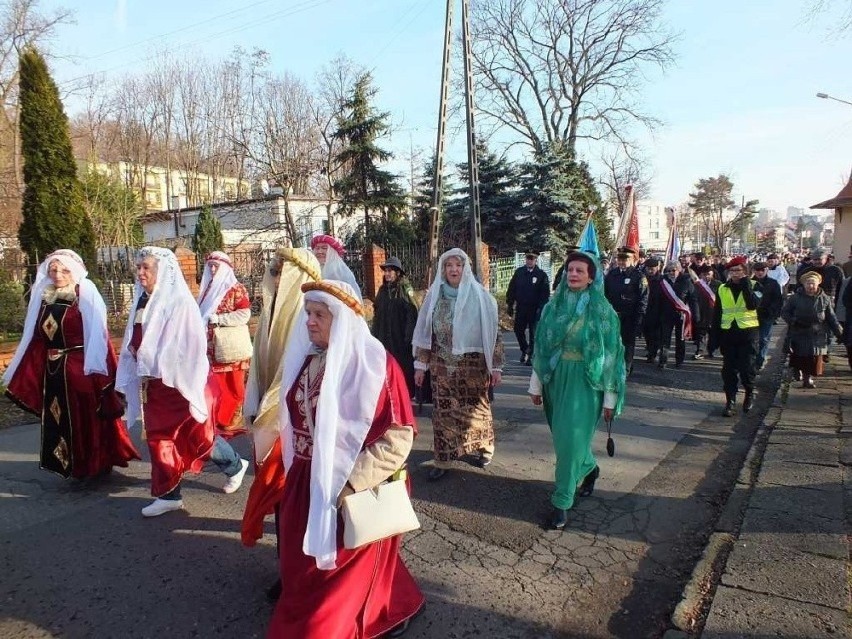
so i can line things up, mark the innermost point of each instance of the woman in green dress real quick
(578, 373)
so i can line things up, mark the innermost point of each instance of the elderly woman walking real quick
(579, 375)
(163, 374)
(346, 426)
(458, 340)
(226, 310)
(64, 372)
(809, 313)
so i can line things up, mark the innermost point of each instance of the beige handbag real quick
(382, 512)
(231, 344)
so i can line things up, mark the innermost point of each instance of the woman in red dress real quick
(163, 374)
(347, 425)
(223, 301)
(64, 371)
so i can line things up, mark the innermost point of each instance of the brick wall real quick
(374, 257)
(189, 268)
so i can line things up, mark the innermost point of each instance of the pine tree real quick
(557, 193)
(498, 202)
(208, 235)
(364, 186)
(54, 215)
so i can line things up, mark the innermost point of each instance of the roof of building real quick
(844, 198)
(161, 216)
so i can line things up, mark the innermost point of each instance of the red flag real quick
(632, 240)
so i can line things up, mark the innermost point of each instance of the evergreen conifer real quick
(54, 215)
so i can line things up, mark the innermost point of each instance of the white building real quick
(653, 225)
(250, 224)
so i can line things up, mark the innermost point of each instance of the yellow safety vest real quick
(735, 310)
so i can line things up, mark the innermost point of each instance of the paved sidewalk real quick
(787, 575)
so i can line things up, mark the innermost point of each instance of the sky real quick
(740, 98)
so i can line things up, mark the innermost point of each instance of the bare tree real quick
(623, 167)
(335, 83)
(22, 24)
(139, 123)
(565, 70)
(839, 11)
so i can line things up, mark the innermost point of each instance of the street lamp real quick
(825, 96)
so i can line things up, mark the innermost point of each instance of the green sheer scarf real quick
(603, 352)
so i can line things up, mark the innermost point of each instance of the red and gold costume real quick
(81, 433)
(370, 591)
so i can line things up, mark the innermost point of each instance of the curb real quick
(699, 590)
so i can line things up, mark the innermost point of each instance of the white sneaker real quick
(233, 484)
(161, 507)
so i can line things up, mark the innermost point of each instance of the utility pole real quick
(472, 161)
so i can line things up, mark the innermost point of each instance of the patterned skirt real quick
(461, 417)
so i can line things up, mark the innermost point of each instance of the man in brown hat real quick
(627, 291)
(527, 294)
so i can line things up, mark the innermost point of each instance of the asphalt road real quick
(80, 561)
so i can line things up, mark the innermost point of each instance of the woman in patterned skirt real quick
(458, 340)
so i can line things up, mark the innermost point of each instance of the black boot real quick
(748, 400)
(730, 408)
(558, 519)
(588, 485)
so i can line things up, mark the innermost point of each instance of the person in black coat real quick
(735, 325)
(527, 294)
(627, 291)
(705, 288)
(651, 323)
(672, 319)
(769, 310)
(394, 317)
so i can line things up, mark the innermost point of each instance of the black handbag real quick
(610, 443)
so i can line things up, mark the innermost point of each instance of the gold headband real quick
(292, 256)
(325, 287)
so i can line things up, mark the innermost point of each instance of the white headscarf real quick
(214, 287)
(355, 371)
(92, 309)
(335, 269)
(474, 318)
(174, 340)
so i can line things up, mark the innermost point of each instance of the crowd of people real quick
(326, 398)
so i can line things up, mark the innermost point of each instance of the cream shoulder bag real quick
(378, 513)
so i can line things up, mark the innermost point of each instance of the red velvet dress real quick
(177, 443)
(81, 435)
(231, 378)
(370, 591)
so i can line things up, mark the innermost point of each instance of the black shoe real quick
(797, 375)
(711, 356)
(698, 356)
(523, 359)
(588, 485)
(436, 473)
(274, 591)
(730, 407)
(558, 519)
(482, 461)
(748, 401)
(808, 383)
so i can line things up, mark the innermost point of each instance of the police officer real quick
(627, 290)
(736, 324)
(527, 294)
